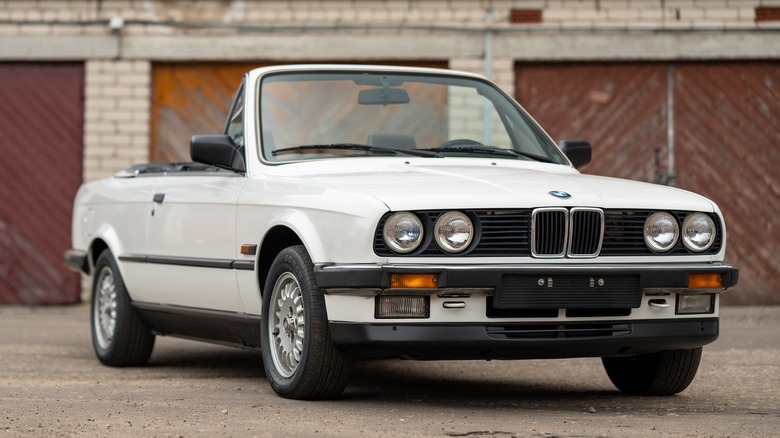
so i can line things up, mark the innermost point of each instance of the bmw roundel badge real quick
(560, 194)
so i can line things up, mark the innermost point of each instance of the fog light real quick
(705, 281)
(395, 306)
(413, 281)
(690, 304)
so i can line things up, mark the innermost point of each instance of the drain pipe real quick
(671, 178)
(488, 60)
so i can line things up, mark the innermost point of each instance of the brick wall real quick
(56, 17)
(116, 122)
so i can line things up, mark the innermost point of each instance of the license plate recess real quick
(568, 292)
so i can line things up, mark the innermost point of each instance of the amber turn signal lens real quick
(414, 281)
(705, 281)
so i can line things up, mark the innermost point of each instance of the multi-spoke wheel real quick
(287, 324)
(300, 360)
(104, 307)
(119, 336)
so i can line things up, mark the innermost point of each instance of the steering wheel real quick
(465, 142)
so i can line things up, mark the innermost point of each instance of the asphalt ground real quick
(51, 384)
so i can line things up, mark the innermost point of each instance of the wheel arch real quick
(104, 238)
(275, 240)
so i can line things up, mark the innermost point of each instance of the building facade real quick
(683, 92)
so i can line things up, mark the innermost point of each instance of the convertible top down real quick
(370, 211)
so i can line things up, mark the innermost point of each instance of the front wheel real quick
(119, 336)
(662, 373)
(299, 357)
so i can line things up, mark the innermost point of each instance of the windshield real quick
(325, 115)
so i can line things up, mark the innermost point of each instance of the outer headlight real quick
(698, 233)
(403, 232)
(661, 231)
(453, 231)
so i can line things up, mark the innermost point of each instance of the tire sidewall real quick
(287, 261)
(106, 260)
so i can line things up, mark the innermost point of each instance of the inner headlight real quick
(661, 231)
(403, 232)
(453, 231)
(698, 233)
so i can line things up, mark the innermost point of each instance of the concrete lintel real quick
(417, 45)
(57, 48)
(638, 46)
(303, 47)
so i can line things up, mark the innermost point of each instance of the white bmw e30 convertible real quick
(368, 211)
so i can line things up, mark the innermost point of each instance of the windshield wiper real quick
(359, 147)
(490, 150)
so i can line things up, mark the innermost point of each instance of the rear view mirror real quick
(578, 151)
(383, 96)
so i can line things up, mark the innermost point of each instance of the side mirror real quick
(217, 150)
(578, 151)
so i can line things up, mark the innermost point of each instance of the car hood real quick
(460, 183)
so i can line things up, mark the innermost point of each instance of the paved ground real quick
(51, 385)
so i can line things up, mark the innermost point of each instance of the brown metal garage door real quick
(194, 98)
(726, 129)
(41, 122)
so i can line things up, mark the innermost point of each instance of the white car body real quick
(177, 239)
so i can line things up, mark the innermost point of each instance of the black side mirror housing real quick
(578, 151)
(218, 151)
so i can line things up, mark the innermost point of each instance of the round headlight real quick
(403, 232)
(661, 231)
(698, 233)
(453, 231)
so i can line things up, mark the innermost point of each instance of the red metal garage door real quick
(726, 119)
(728, 149)
(41, 123)
(194, 98)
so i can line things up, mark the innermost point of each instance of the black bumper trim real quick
(489, 276)
(76, 260)
(526, 341)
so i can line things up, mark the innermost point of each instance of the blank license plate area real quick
(568, 292)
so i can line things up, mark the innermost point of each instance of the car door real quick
(192, 236)
(192, 241)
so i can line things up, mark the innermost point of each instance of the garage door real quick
(726, 118)
(41, 122)
(194, 98)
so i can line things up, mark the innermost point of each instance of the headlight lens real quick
(453, 231)
(661, 231)
(698, 232)
(403, 232)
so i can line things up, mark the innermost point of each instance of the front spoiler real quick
(522, 341)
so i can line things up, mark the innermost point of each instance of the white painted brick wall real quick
(577, 14)
(116, 116)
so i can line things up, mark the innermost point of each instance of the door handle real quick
(158, 198)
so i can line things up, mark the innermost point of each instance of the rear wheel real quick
(119, 336)
(300, 359)
(662, 373)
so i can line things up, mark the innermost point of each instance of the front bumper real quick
(651, 276)
(473, 332)
(522, 341)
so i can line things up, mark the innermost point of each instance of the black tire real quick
(663, 373)
(119, 336)
(299, 357)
